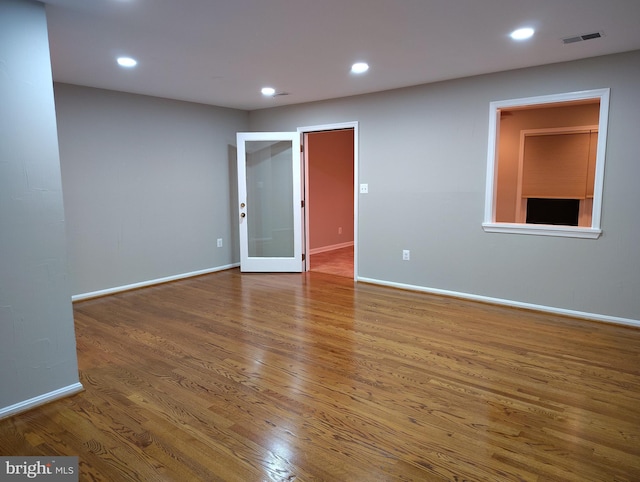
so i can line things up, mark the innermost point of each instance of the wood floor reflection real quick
(312, 377)
(338, 262)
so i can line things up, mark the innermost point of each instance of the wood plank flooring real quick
(256, 377)
(338, 262)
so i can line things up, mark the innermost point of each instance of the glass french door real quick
(269, 201)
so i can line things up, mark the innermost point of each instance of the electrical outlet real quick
(406, 255)
(219, 242)
(339, 230)
(364, 188)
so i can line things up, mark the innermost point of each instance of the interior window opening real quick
(546, 164)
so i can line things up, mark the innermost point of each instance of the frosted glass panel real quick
(269, 199)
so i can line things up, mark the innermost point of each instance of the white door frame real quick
(331, 127)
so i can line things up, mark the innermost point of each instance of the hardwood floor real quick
(252, 377)
(338, 262)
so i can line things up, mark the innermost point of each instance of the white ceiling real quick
(221, 52)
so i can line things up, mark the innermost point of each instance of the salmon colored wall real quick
(509, 145)
(330, 196)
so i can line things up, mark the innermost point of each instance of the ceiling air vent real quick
(580, 38)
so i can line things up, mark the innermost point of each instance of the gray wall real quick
(149, 186)
(423, 153)
(37, 341)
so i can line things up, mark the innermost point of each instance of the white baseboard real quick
(40, 400)
(143, 284)
(332, 247)
(500, 301)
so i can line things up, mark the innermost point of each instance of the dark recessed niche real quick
(553, 211)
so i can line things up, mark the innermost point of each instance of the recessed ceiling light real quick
(127, 62)
(359, 67)
(268, 91)
(522, 33)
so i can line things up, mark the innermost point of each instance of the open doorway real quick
(330, 200)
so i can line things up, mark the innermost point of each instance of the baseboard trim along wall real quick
(323, 249)
(143, 284)
(499, 301)
(455, 294)
(40, 400)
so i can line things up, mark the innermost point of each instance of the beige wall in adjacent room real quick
(330, 195)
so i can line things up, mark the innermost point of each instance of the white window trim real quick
(594, 231)
(543, 230)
